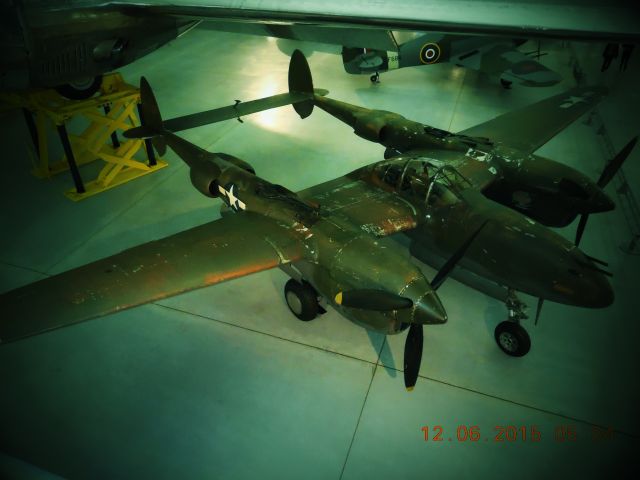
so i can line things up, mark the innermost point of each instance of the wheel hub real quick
(508, 341)
(82, 84)
(294, 303)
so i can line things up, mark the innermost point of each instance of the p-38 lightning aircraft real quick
(327, 253)
(449, 185)
(327, 238)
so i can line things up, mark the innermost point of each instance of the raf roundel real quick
(429, 53)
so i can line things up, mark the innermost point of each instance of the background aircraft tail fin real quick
(151, 119)
(300, 81)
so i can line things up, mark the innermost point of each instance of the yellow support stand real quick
(112, 111)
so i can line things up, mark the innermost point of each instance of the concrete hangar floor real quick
(225, 383)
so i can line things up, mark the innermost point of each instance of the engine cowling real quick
(238, 162)
(400, 134)
(204, 179)
(547, 191)
(204, 173)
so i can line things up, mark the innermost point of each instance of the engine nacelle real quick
(547, 191)
(400, 134)
(237, 162)
(369, 126)
(204, 179)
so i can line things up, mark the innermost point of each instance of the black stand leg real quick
(28, 116)
(147, 142)
(114, 138)
(64, 138)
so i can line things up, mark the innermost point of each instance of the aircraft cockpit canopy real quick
(436, 182)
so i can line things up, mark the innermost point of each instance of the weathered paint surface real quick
(455, 182)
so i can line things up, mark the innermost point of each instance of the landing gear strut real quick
(506, 84)
(510, 336)
(375, 78)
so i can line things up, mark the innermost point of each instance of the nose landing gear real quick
(510, 336)
(375, 78)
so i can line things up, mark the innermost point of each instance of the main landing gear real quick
(506, 84)
(375, 78)
(510, 336)
(302, 300)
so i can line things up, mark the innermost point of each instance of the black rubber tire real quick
(375, 78)
(506, 84)
(308, 307)
(73, 93)
(512, 339)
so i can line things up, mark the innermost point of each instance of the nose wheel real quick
(302, 300)
(375, 78)
(510, 336)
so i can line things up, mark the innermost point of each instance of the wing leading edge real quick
(528, 128)
(228, 248)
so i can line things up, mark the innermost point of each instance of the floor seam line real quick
(377, 362)
(21, 267)
(364, 403)
(116, 217)
(266, 334)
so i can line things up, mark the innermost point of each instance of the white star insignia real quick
(234, 202)
(571, 101)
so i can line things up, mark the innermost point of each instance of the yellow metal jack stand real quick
(112, 111)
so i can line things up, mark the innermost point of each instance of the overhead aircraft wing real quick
(373, 209)
(228, 248)
(377, 38)
(528, 128)
(609, 21)
(502, 60)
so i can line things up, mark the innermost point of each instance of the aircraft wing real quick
(228, 248)
(528, 128)
(503, 60)
(609, 21)
(377, 38)
(374, 210)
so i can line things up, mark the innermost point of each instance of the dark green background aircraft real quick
(494, 56)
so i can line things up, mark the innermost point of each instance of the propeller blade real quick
(616, 162)
(581, 227)
(371, 299)
(538, 310)
(412, 355)
(596, 260)
(446, 269)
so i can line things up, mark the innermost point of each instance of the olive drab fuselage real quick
(458, 182)
(339, 256)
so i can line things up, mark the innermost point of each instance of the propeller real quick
(371, 299)
(414, 341)
(607, 175)
(538, 310)
(412, 355)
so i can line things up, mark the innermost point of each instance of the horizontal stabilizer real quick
(238, 110)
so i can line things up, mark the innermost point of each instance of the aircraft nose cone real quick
(429, 310)
(591, 287)
(600, 293)
(601, 202)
